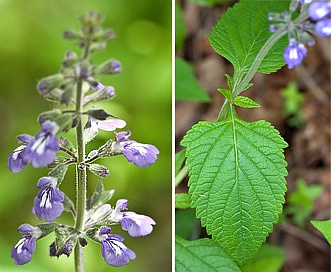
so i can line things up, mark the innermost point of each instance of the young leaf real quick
(324, 227)
(245, 102)
(227, 93)
(236, 182)
(186, 85)
(182, 201)
(202, 255)
(242, 31)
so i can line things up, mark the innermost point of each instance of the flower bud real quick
(98, 114)
(108, 67)
(49, 115)
(69, 59)
(46, 84)
(70, 35)
(99, 170)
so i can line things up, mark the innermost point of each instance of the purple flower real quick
(42, 149)
(141, 155)
(113, 250)
(135, 224)
(319, 10)
(294, 54)
(26, 246)
(16, 160)
(323, 27)
(48, 202)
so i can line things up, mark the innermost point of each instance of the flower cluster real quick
(76, 84)
(299, 32)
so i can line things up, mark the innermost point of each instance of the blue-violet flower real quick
(135, 224)
(294, 53)
(113, 250)
(41, 150)
(48, 202)
(26, 246)
(141, 155)
(319, 10)
(323, 28)
(16, 160)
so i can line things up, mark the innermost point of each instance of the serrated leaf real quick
(242, 31)
(236, 182)
(245, 102)
(202, 255)
(324, 227)
(186, 85)
(180, 30)
(179, 159)
(182, 201)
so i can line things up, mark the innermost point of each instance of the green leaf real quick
(182, 201)
(186, 85)
(270, 258)
(236, 181)
(324, 227)
(301, 201)
(226, 92)
(180, 30)
(179, 159)
(186, 223)
(245, 102)
(202, 255)
(242, 31)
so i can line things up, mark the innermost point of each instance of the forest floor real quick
(307, 132)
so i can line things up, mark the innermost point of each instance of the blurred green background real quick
(32, 47)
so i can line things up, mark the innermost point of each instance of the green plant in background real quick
(293, 100)
(74, 88)
(300, 203)
(237, 169)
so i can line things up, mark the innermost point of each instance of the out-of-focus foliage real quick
(293, 100)
(32, 47)
(301, 201)
(186, 85)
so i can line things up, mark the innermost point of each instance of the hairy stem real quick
(80, 178)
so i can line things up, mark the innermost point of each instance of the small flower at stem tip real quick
(294, 53)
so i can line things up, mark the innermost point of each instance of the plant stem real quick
(80, 178)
